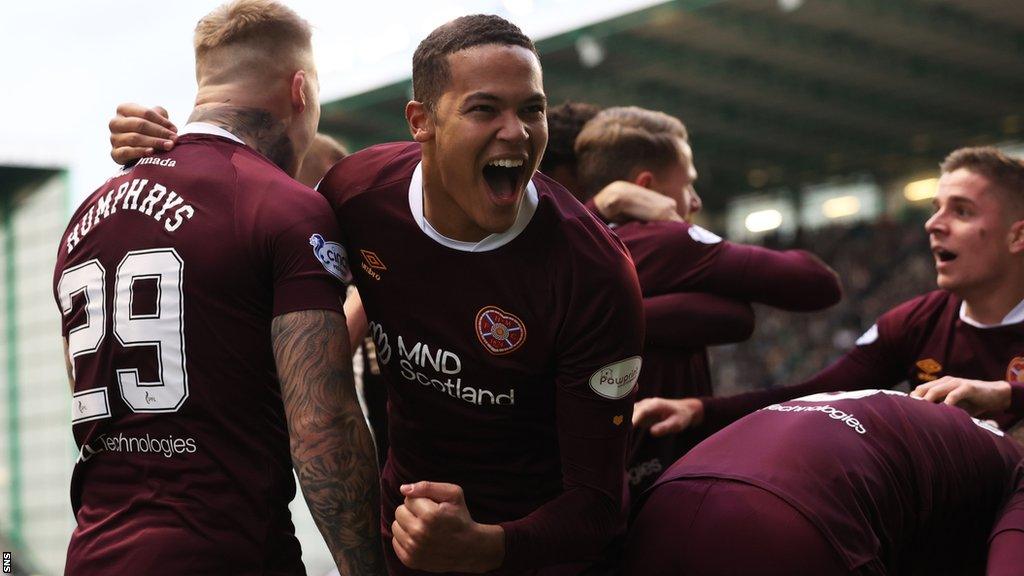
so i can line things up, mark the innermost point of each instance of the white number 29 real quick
(163, 330)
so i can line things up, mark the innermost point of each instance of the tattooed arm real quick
(331, 446)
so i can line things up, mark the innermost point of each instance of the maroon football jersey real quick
(510, 362)
(168, 277)
(896, 485)
(918, 341)
(676, 257)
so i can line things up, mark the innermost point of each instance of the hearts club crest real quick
(500, 332)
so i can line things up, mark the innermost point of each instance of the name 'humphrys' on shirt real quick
(157, 202)
(435, 367)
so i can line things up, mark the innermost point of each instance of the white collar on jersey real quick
(526, 209)
(204, 128)
(1016, 316)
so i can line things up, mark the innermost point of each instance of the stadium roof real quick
(782, 92)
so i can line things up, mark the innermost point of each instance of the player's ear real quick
(421, 121)
(1017, 237)
(298, 91)
(644, 179)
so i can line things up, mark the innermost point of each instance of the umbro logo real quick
(372, 264)
(929, 369)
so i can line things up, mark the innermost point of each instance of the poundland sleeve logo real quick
(617, 379)
(332, 256)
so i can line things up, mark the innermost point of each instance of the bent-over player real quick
(871, 482)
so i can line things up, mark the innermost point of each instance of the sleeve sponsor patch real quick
(616, 380)
(868, 337)
(704, 236)
(332, 256)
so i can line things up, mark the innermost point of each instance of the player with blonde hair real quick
(207, 344)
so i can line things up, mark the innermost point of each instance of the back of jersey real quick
(168, 278)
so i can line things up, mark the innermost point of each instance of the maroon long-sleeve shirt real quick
(679, 263)
(510, 363)
(896, 485)
(918, 341)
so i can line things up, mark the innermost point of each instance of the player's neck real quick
(255, 126)
(444, 214)
(990, 304)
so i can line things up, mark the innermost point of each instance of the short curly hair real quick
(431, 72)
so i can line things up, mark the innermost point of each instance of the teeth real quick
(506, 163)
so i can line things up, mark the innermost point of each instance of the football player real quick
(507, 321)
(967, 337)
(201, 296)
(651, 150)
(871, 482)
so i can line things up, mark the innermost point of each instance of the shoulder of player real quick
(921, 308)
(593, 251)
(368, 169)
(914, 318)
(668, 231)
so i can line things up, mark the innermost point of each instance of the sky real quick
(68, 63)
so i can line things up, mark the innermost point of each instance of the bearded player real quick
(861, 483)
(201, 296)
(963, 342)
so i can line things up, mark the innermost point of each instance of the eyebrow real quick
(961, 199)
(953, 199)
(487, 96)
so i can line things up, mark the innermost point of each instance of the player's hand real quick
(138, 131)
(433, 531)
(667, 415)
(977, 397)
(621, 200)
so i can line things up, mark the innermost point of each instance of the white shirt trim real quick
(204, 128)
(1015, 316)
(526, 209)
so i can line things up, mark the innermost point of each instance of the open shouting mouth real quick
(943, 255)
(505, 177)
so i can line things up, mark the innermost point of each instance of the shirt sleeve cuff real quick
(1017, 398)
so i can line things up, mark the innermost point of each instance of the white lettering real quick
(121, 191)
(73, 239)
(133, 194)
(103, 205)
(86, 223)
(185, 210)
(156, 193)
(172, 201)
